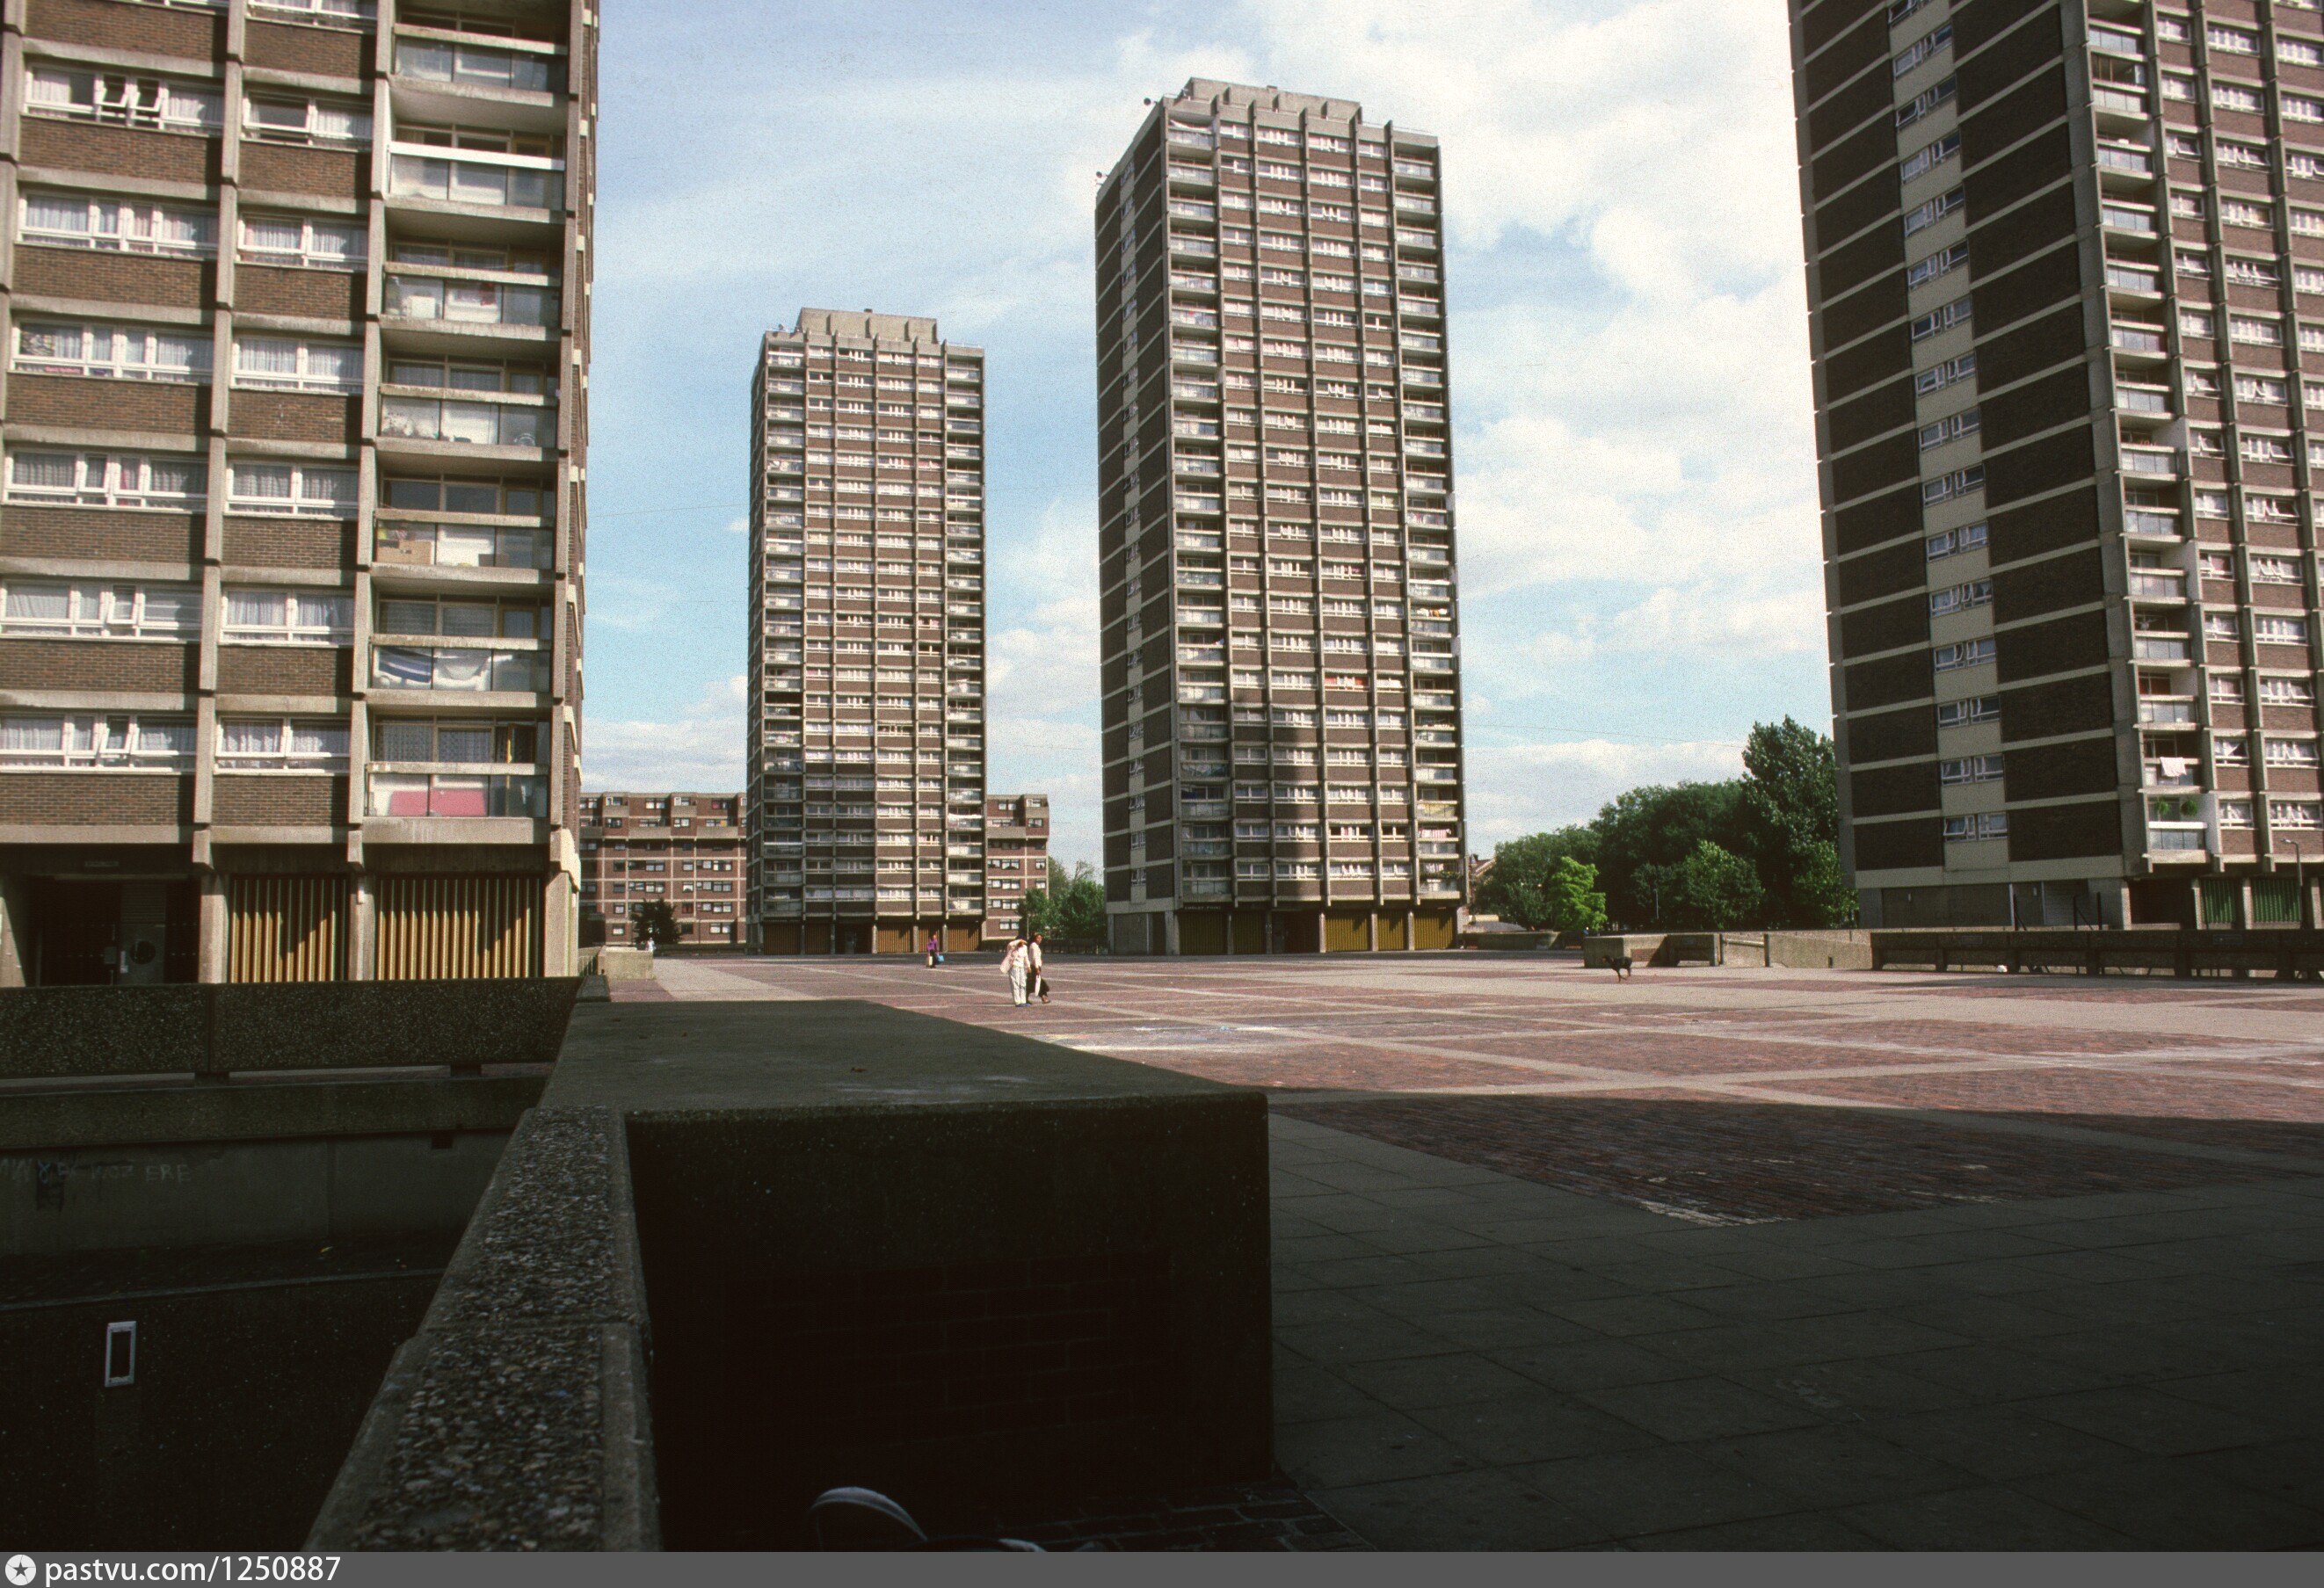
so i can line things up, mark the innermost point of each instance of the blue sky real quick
(1635, 483)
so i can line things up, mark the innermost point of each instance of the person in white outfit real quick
(1017, 964)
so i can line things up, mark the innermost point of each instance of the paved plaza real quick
(1750, 1258)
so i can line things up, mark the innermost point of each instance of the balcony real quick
(460, 545)
(456, 794)
(476, 178)
(2158, 584)
(2155, 648)
(462, 669)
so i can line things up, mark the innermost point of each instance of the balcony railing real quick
(455, 795)
(459, 545)
(445, 667)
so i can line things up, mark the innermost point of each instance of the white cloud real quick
(1533, 788)
(701, 749)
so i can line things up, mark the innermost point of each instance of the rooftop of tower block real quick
(1269, 98)
(864, 323)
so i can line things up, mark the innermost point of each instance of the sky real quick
(1634, 457)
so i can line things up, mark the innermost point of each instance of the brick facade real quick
(278, 800)
(283, 669)
(131, 667)
(94, 799)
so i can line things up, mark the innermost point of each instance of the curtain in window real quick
(46, 214)
(406, 741)
(319, 739)
(173, 608)
(466, 747)
(41, 470)
(393, 668)
(259, 355)
(254, 608)
(38, 603)
(321, 614)
(167, 477)
(32, 736)
(462, 669)
(412, 417)
(250, 739)
(476, 423)
(164, 738)
(329, 363)
(342, 124)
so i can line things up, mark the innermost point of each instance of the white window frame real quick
(119, 226)
(302, 499)
(307, 254)
(335, 626)
(155, 104)
(316, 128)
(121, 360)
(110, 480)
(286, 753)
(100, 741)
(103, 609)
(307, 373)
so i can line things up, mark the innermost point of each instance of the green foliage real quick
(1575, 905)
(654, 922)
(1760, 849)
(1070, 912)
(1520, 887)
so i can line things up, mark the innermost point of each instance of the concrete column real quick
(1371, 930)
(363, 926)
(1411, 925)
(210, 929)
(1169, 933)
(1323, 918)
(560, 925)
(15, 916)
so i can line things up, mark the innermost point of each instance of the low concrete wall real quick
(1653, 947)
(969, 1268)
(622, 964)
(2285, 952)
(519, 1418)
(216, 1029)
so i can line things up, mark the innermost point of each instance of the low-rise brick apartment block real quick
(292, 424)
(1280, 650)
(2066, 275)
(683, 850)
(866, 710)
(1016, 859)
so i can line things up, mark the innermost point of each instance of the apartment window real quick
(130, 743)
(2279, 629)
(2256, 332)
(2286, 692)
(1922, 48)
(2300, 815)
(106, 480)
(288, 617)
(1984, 708)
(2300, 107)
(1929, 158)
(439, 60)
(1938, 320)
(1988, 824)
(1923, 215)
(319, 122)
(290, 488)
(2223, 627)
(31, 607)
(2258, 389)
(2267, 570)
(2265, 449)
(480, 176)
(75, 220)
(1937, 264)
(1927, 100)
(1961, 598)
(1960, 482)
(2299, 753)
(1967, 537)
(485, 424)
(282, 363)
(1970, 769)
(121, 352)
(155, 104)
(1938, 376)
(277, 744)
(323, 11)
(1951, 428)
(2234, 813)
(447, 768)
(294, 241)
(515, 620)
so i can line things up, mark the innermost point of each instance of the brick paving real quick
(1731, 1259)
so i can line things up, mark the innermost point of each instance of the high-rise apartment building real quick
(866, 717)
(682, 849)
(1281, 678)
(295, 295)
(1016, 859)
(2065, 269)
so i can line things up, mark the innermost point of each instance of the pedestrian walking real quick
(936, 950)
(1038, 964)
(1015, 964)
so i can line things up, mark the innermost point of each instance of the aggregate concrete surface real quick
(1741, 1258)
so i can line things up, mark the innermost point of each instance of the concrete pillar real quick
(1411, 925)
(1371, 930)
(210, 929)
(1322, 941)
(1169, 933)
(363, 926)
(560, 925)
(1230, 926)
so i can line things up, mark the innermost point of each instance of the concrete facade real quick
(684, 848)
(2066, 272)
(296, 302)
(866, 713)
(1281, 675)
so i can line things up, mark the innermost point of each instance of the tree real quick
(1575, 905)
(1712, 890)
(1518, 888)
(654, 925)
(1791, 807)
(1645, 833)
(1070, 912)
